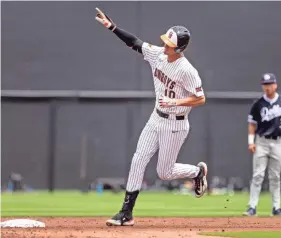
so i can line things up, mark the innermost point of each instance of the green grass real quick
(75, 203)
(245, 234)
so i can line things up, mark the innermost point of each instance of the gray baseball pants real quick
(267, 154)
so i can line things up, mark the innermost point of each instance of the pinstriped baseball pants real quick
(167, 137)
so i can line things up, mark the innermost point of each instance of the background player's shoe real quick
(276, 212)
(123, 218)
(200, 181)
(250, 212)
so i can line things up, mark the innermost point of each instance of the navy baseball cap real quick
(268, 78)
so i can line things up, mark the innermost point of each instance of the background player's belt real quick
(165, 115)
(272, 137)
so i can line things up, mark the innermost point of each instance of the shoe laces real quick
(197, 183)
(197, 180)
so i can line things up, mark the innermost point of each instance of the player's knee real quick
(274, 181)
(139, 161)
(258, 178)
(274, 178)
(136, 161)
(164, 175)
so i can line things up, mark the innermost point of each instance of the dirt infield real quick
(59, 227)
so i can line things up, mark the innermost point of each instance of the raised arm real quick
(129, 39)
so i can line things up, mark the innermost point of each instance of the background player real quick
(178, 87)
(265, 122)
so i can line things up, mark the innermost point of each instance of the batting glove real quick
(167, 102)
(105, 20)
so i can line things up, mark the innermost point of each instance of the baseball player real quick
(265, 143)
(178, 88)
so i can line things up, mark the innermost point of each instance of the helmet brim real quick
(167, 41)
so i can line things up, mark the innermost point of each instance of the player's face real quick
(168, 50)
(269, 89)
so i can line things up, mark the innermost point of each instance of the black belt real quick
(165, 115)
(272, 137)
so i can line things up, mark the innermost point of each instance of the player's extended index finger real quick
(100, 12)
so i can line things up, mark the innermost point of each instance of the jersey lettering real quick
(266, 114)
(164, 79)
(269, 114)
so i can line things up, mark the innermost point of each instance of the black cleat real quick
(123, 218)
(250, 212)
(276, 212)
(200, 182)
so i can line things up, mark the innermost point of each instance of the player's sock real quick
(129, 201)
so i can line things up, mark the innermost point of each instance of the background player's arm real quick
(251, 136)
(252, 120)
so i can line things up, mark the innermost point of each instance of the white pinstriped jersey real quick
(178, 79)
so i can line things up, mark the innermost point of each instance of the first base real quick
(22, 223)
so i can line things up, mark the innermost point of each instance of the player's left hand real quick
(167, 102)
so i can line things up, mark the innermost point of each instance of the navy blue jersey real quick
(266, 114)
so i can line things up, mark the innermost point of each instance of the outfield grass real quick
(149, 204)
(246, 234)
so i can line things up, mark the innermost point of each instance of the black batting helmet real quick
(177, 37)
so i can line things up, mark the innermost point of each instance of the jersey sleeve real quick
(253, 116)
(150, 52)
(193, 83)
